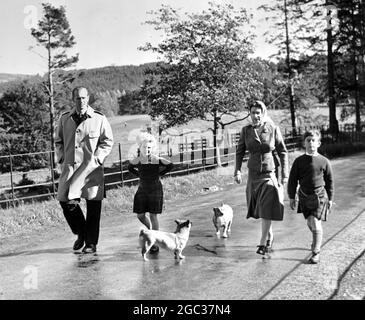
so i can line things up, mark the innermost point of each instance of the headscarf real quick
(262, 106)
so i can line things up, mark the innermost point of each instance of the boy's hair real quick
(312, 133)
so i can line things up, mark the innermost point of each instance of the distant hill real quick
(110, 78)
(6, 77)
(128, 78)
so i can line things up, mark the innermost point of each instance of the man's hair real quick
(77, 89)
(312, 133)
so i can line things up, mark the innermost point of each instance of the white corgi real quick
(222, 220)
(171, 241)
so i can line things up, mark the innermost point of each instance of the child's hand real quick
(330, 203)
(292, 204)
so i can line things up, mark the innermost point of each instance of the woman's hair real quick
(258, 104)
(312, 133)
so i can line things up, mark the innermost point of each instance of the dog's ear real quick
(177, 221)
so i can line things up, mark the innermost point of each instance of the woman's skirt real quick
(321, 212)
(265, 198)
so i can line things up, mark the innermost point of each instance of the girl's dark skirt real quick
(321, 213)
(148, 199)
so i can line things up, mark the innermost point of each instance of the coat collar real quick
(266, 128)
(89, 112)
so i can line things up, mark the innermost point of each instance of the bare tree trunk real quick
(291, 92)
(355, 74)
(51, 98)
(331, 87)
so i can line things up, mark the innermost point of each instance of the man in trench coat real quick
(83, 140)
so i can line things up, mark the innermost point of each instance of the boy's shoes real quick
(154, 249)
(261, 250)
(269, 246)
(314, 259)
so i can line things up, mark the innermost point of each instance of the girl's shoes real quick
(261, 250)
(154, 249)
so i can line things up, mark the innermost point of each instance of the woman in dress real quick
(264, 195)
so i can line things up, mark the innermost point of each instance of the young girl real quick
(314, 174)
(149, 167)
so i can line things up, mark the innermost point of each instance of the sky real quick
(107, 32)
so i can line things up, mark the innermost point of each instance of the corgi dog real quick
(222, 220)
(175, 242)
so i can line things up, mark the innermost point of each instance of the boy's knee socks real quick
(317, 240)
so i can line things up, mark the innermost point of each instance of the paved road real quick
(213, 269)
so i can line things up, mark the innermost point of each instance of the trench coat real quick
(81, 151)
(264, 195)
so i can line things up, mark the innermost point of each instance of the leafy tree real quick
(24, 108)
(351, 44)
(205, 72)
(285, 24)
(54, 34)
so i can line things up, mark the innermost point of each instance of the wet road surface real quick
(214, 268)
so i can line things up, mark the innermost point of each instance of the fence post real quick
(181, 151)
(11, 178)
(192, 153)
(52, 174)
(120, 164)
(204, 151)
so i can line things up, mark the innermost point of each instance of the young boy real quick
(314, 174)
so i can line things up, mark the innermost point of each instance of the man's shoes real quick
(89, 248)
(79, 243)
(154, 249)
(261, 250)
(314, 259)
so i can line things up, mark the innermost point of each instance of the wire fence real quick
(19, 186)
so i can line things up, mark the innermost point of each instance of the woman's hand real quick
(292, 204)
(238, 178)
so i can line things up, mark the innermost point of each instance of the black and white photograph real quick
(182, 156)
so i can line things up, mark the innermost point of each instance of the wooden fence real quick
(17, 186)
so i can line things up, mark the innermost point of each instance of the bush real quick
(341, 149)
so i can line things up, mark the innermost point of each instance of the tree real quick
(311, 28)
(351, 43)
(54, 34)
(286, 19)
(205, 72)
(24, 108)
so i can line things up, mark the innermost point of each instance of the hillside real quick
(110, 78)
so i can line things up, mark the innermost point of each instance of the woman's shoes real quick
(314, 259)
(261, 250)
(269, 246)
